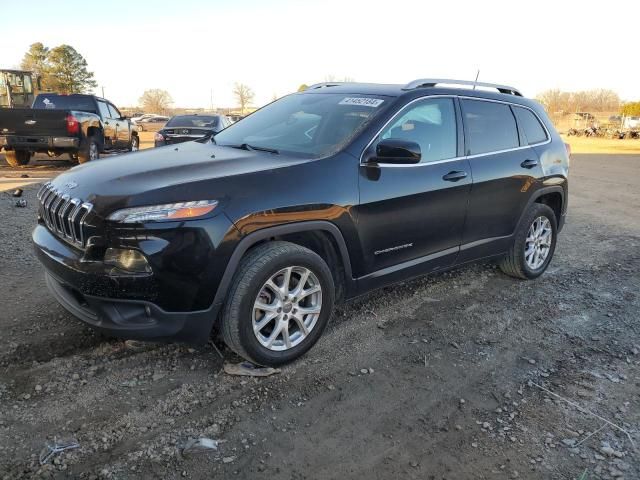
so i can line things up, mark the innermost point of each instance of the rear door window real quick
(104, 110)
(529, 124)
(490, 126)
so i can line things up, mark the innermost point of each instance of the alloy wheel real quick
(93, 151)
(538, 243)
(287, 308)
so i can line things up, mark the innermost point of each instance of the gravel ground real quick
(465, 374)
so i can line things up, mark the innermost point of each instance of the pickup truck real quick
(82, 126)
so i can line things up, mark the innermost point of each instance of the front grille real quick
(63, 215)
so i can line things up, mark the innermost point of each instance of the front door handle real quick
(454, 176)
(529, 164)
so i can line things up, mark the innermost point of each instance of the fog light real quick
(128, 260)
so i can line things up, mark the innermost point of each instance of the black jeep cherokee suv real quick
(318, 197)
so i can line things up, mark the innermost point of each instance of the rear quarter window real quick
(490, 127)
(530, 125)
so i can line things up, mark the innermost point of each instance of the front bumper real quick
(175, 302)
(133, 319)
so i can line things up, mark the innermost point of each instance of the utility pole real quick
(102, 92)
(211, 99)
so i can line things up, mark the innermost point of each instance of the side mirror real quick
(393, 150)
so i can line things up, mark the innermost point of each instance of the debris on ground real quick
(22, 203)
(52, 448)
(136, 345)
(248, 369)
(17, 192)
(199, 445)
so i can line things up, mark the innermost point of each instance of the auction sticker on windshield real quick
(365, 102)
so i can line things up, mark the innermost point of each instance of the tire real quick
(260, 265)
(91, 151)
(515, 263)
(17, 158)
(134, 145)
(141, 128)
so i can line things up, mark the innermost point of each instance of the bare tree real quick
(156, 101)
(600, 100)
(244, 95)
(333, 78)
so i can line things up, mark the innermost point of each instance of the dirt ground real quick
(466, 374)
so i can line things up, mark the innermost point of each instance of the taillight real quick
(159, 137)
(568, 147)
(73, 126)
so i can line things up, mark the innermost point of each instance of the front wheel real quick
(279, 303)
(533, 245)
(17, 158)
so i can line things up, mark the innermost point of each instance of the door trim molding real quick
(409, 263)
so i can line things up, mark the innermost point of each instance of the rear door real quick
(110, 125)
(411, 217)
(505, 174)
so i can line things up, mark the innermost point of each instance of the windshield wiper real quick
(246, 146)
(209, 135)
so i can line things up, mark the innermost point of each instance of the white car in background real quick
(631, 122)
(135, 120)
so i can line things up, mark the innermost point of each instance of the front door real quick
(110, 125)
(122, 127)
(411, 217)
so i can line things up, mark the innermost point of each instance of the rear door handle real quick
(454, 176)
(529, 164)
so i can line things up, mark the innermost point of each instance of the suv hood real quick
(188, 171)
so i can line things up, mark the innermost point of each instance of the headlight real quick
(125, 259)
(166, 212)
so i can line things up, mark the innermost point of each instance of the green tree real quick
(68, 71)
(303, 87)
(155, 101)
(631, 109)
(36, 60)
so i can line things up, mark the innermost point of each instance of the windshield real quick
(64, 102)
(305, 123)
(196, 121)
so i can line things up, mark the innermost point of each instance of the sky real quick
(197, 49)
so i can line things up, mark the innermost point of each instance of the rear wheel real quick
(17, 158)
(89, 152)
(279, 303)
(134, 146)
(534, 244)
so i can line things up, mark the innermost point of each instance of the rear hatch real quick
(26, 122)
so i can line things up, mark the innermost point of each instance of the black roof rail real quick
(432, 82)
